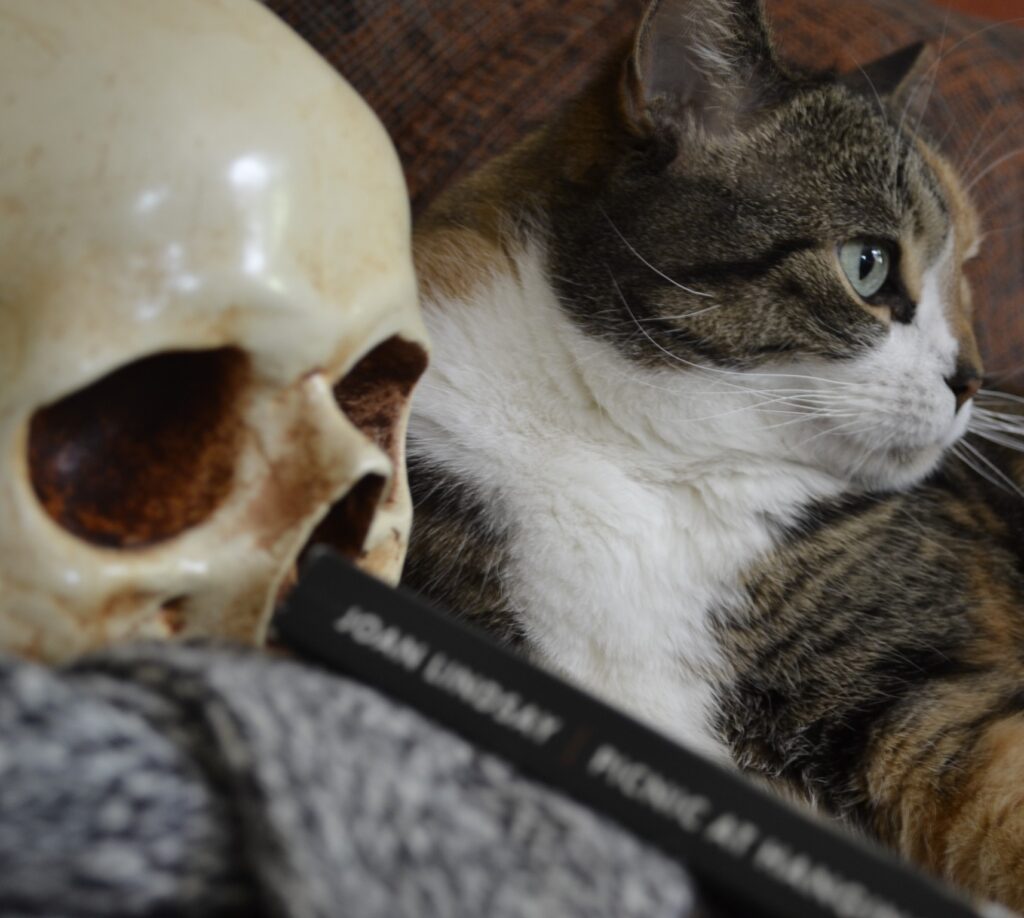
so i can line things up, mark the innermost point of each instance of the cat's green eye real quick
(867, 264)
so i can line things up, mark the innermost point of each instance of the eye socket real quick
(868, 264)
(374, 392)
(373, 395)
(144, 453)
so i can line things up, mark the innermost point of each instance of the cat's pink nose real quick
(965, 383)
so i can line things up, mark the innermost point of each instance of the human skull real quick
(208, 322)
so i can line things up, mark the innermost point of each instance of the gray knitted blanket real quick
(173, 780)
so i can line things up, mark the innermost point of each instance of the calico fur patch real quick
(673, 446)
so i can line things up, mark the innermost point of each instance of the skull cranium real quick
(208, 321)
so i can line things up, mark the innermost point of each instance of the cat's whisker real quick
(1007, 433)
(824, 411)
(932, 76)
(971, 164)
(685, 315)
(810, 416)
(1008, 443)
(643, 331)
(981, 414)
(999, 440)
(869, 454)
(745, 374)
(776, 374)
(1003, 229)
(999, 473)
(1011, 430)
(842, 428)
(960, 455)
(968, 161)
(997, 427)
(989, 169)
(981, 417)
(796, 401)
(773, 392)
(729, 389)
(794, 395)
(968, 164)
(657, 271)
(805, 402)
(981, 31)
(952, 122)
(837, 407)
(734, 411)
(980, 411)
(993, 394)
(811, 394)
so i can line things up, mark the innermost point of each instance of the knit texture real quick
(179, 780)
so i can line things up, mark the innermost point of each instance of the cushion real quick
(456, 81)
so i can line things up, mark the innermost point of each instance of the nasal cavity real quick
(964, 383)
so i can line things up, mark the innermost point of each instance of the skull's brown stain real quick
(120, 607)
(294, 486)
(146, 452)
(374, 395)
(173, 615)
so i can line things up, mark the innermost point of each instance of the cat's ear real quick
(900, 78)
(706, 62)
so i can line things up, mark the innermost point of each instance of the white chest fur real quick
(634, 498)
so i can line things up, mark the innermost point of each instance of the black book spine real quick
(734, 838)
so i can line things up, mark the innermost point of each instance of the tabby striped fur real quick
(667, 450)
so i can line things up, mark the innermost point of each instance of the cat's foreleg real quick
(946, 782)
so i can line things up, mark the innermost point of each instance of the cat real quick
(692, 433)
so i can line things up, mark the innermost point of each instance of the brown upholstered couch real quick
(456, 81)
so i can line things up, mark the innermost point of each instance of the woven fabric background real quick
(456, 81)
